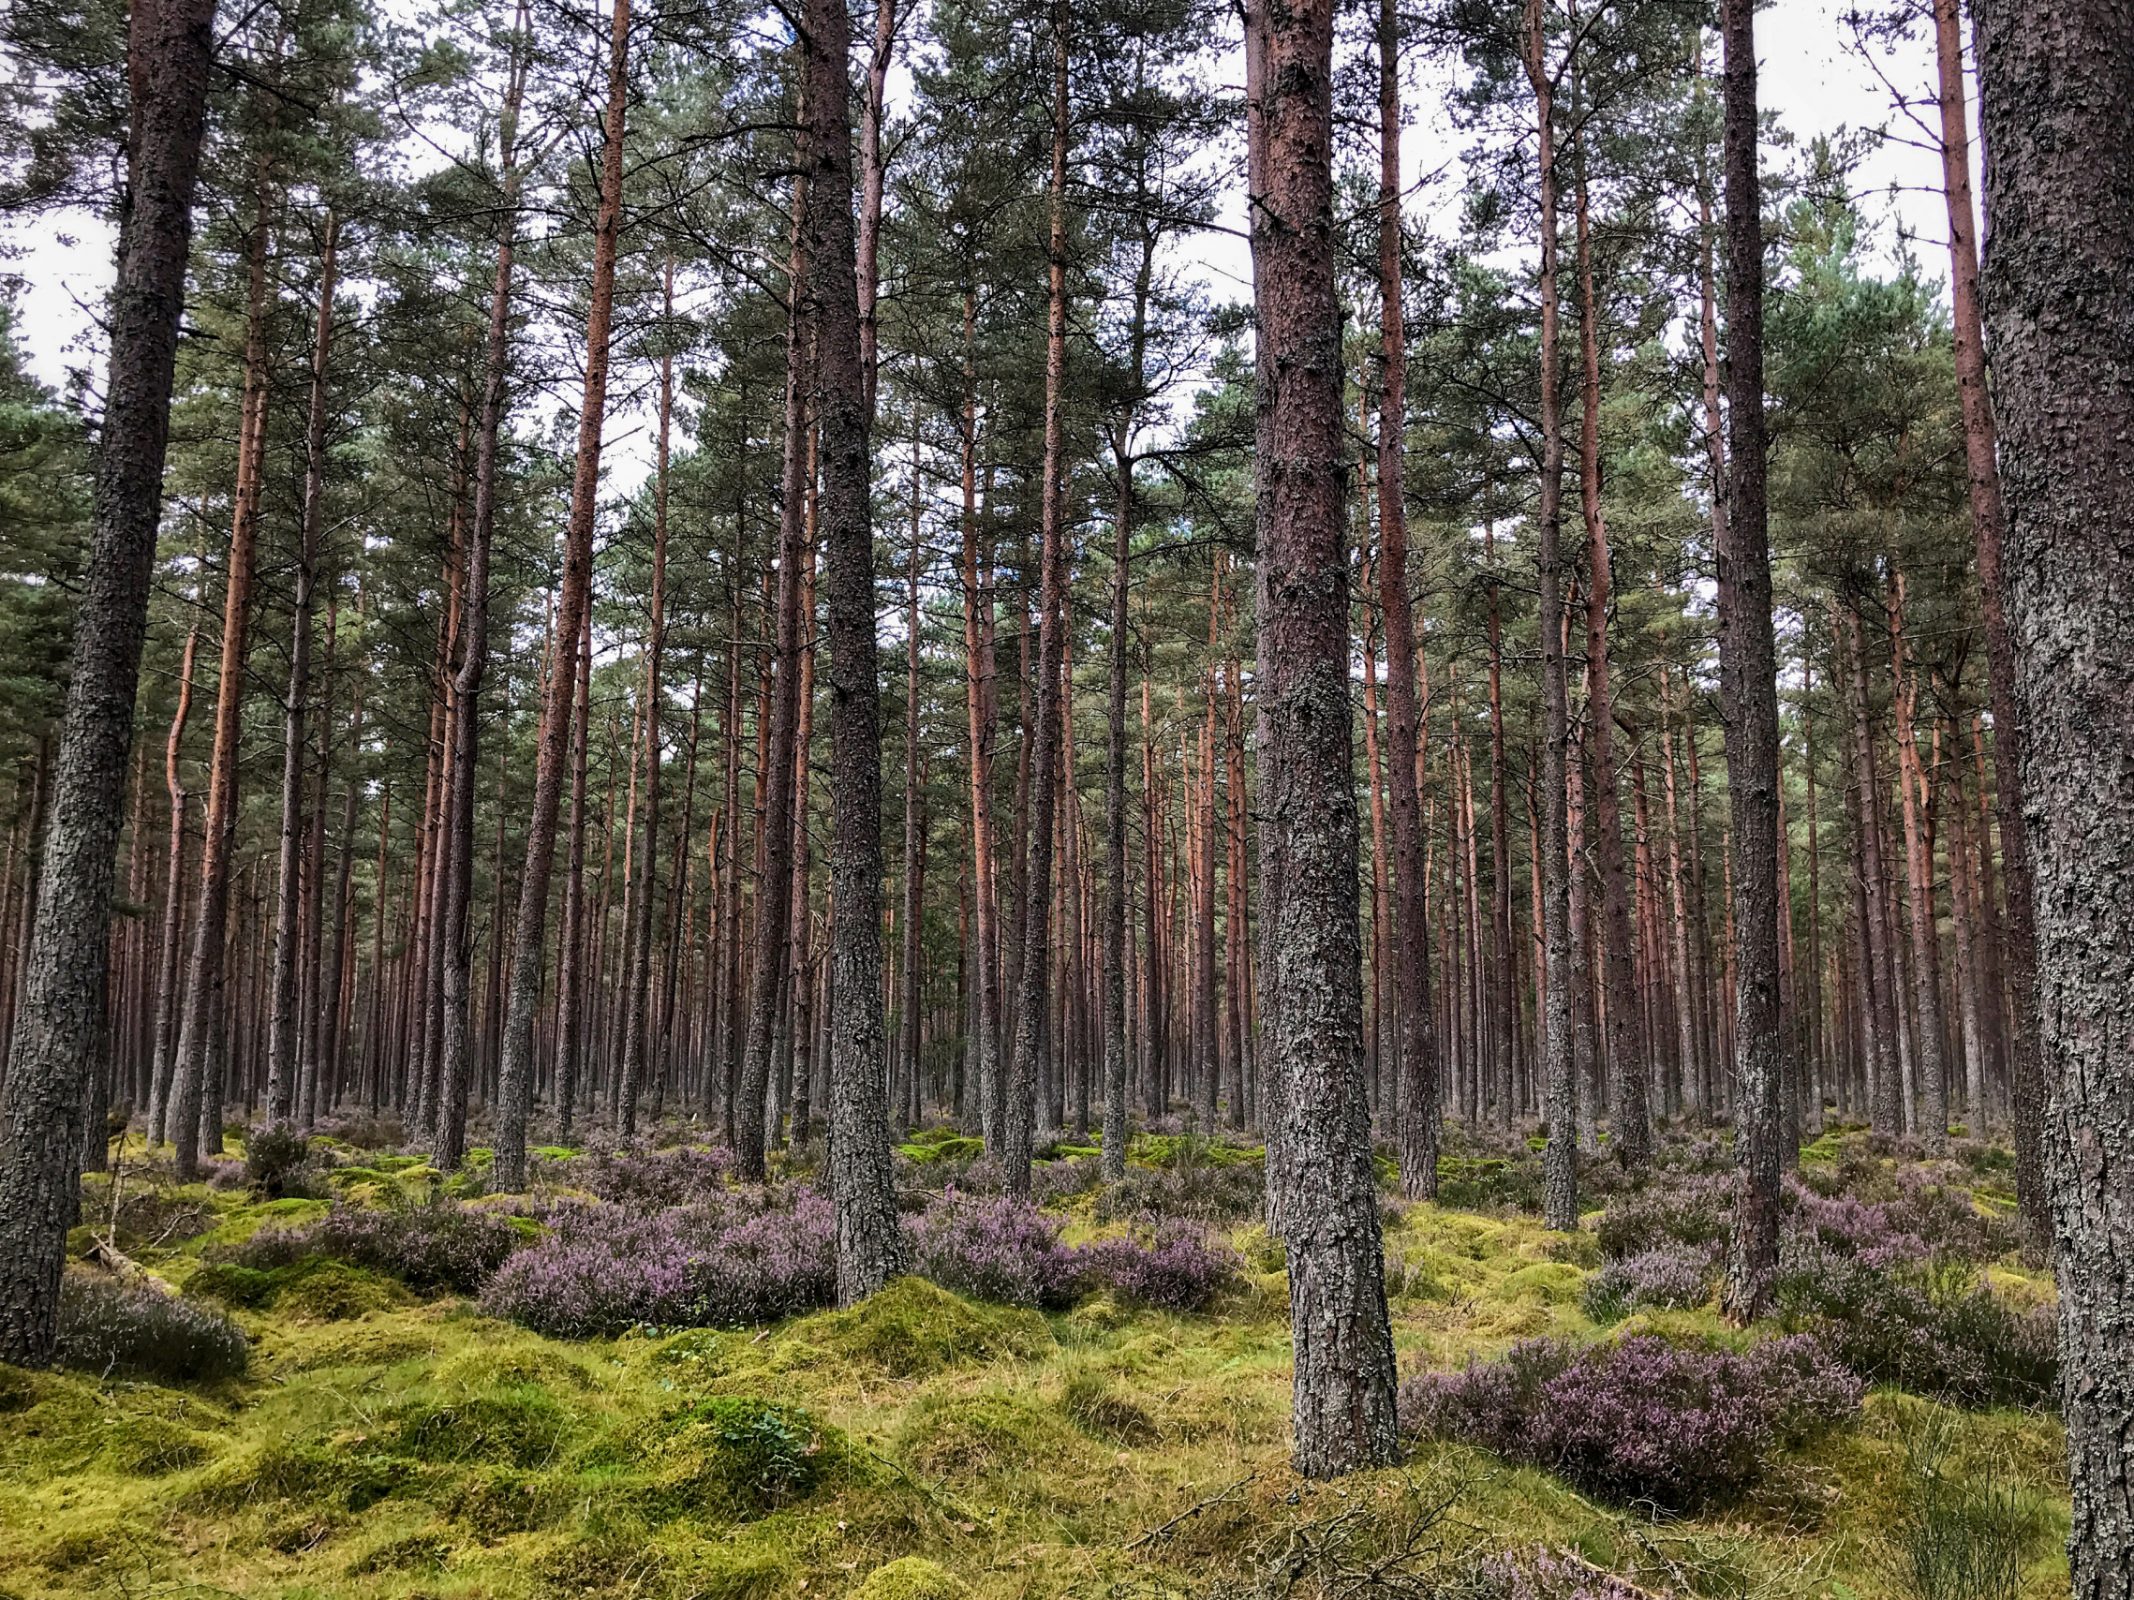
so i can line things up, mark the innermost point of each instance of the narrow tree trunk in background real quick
(1044, 737)
(168, 964)
(204, 968)
(1628, 1101)
(873, 175)
(1419, 1091)
(1919, 887)
(570, 962)
(978, 714)
(1749, 689)
(1558, 978)
(284, 1023)
(1879, 987)
(914, 818)
(2055, 81)
(1989, 522)
(1319, 1173)
(530, 936)
(869, 1238)
(59, 1027)
(637, 980)
(774, 845)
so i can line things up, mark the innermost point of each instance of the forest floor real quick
(925, 1446)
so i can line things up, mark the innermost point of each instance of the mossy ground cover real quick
(921, 1447)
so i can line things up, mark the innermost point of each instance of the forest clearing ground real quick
(390, 1446)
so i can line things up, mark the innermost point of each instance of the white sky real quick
(1811, 77)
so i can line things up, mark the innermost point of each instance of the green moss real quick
(967, 1438)
(737, 1457)
(19, 1389)
(339, 1474)
(149, 1447)
(1094, 1403)
(1550, 1282)
(313, 1290)
(515, 1423)
(954, 1147)
(912, 1578)
(426, 1551)
(914, 1328)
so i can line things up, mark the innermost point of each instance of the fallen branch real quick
(1194, 1510)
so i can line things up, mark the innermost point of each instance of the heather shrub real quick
(1188, 1186)
(1545, 1574)
(1686, 1210)
(649, 1180)
(1670, 1275)
(1178, 1268)
(110, 1327)
(439, 1246)
(1847, 1225)
(1641, 1420)
(720, 1264)
(1931, 1329)
(993, 1247)
(279, 1163)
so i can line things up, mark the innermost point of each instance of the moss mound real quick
(739, 1458)
(149, 1447)
(914, 1328)
(516, 1424)
(912, 1578)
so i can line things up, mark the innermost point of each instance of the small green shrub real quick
(1956, 1535)
(741, 1457)
(278, 1163)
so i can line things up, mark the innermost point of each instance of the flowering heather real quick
(733, 1259)
(1641, 1419)
(1178, 1269)
(1684, 1209)
(647, 1180)
(993, 1247)
(1668, 1275)
(434, 1247)
(1861, 1228)
(1544, 1574)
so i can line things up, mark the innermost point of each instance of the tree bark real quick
(2055, 81)
(1559, 1061)
(59, 1026)
(1419, 1089)
(282, 1037)
(1748, 662)
(869, 1238)
(1989, 523)
(1322, 1193)
(1034, 977)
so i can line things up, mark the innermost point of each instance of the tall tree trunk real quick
(204, 968)
(457, 1043)
(530, 936)
(571, 962)
(1879, 988)
(282, 1037)
(869, 1238)
(168, 964)
(873, 175)
(1628, 1101)
(637, 980)
(774, 845)
(1559, 1063)
(978, 714)
(1989, 522)
(2055, 82)
(906, 1105)
(1749, 689)
(1044, 738)
(1419, 1093)
(1919, 888)
(1322, 1192)
(58, 1028)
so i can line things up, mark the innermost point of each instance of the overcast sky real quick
(1811, 77)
